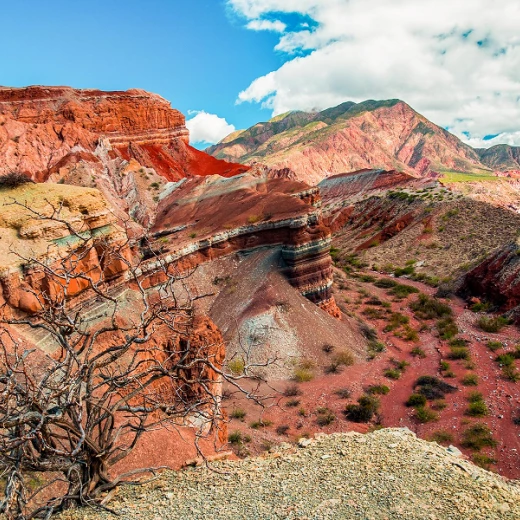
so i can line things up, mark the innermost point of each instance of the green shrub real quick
(343, 393)
(344, 358)
(477, 437)
(428, 308)
(438, 404)
(447, 328)
(416, 400)
(482, 460)
(475, 397)
(374, 348)
(441, 437)
(510, 372)
(459, 353)
(363, 411)
(262, 423)
(433, 388)
(418, 352)
(302, 375)
(402, 291)
(470, 380)
(392, 373)
(378, 390)
(494, 345)
(458, 342)
(367, 278)
(325, 416)
(492, 323)
(505, 359)
(444, 365)
(238, 413)
(395, 321)
(477, 409)
(235, 437)
(385, 283)
(292, 403)
(425, 415)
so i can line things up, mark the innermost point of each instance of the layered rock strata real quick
(259, 212)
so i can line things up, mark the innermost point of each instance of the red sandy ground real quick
(501, 396)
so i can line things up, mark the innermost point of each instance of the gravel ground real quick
(387, 474)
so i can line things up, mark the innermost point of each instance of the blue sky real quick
(197, 54)
(231, 63)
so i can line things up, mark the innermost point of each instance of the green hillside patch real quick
(468, 177)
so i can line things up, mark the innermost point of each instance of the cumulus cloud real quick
(267, 25)
(458, 64)
(207, 128)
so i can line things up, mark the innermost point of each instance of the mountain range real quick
(351, 136)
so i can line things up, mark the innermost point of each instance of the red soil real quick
(501, 396)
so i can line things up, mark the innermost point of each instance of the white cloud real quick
(207, 128)
(511, 138)
(267, 25)
(457, 62)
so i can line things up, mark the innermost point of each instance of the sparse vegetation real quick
(13, 180)
(425, 415)
(492, 323)
(343, 393)
(378, 390)
(441, 437)
(427, 308)
(292, 391)
(416, 400)
(433, 388)
(478, 436)
(324, 416)
(470, 380)
(238, 413)
(262, 423)
(237, 366)
(418, 352)
(364, 411)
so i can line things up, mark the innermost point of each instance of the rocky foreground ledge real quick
(387, 474)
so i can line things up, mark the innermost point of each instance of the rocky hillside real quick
(373, 134)
(501, 157)
(385, 474)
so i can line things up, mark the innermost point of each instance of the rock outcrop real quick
(497, 280)
(373, 134)
(203, 219)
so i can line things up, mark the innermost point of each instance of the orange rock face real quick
(41, 126)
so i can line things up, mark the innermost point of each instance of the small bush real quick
(343, 393)
(282, 430)
(374, 348)
(363, 411)
(368, 332)
(477, 409)
(482, 460)
(459, 353)
(458, 342)
(492, 323)
(433, 388)
(477, 437)
(441, 437)
(438, 404)
(475, 397)
(292, 391)
(416, 400)
(344, 358)
(392, 373)
(395, 321)
(444, 365)
(447, 328)
(328, 348)
(494, 345)
(418, 352)
(302, 375)
(235, 437)
(13, 180)
(425, 415)
(238, 413)
(325, 416)
(428, 308)
(377, 390)
(263, 423)
(470, 380)
(505, 360)
(292, 403)
(385, 283)
(511, 373)
(402, 291)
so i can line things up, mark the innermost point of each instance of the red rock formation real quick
(40, 126)
(497, 280)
